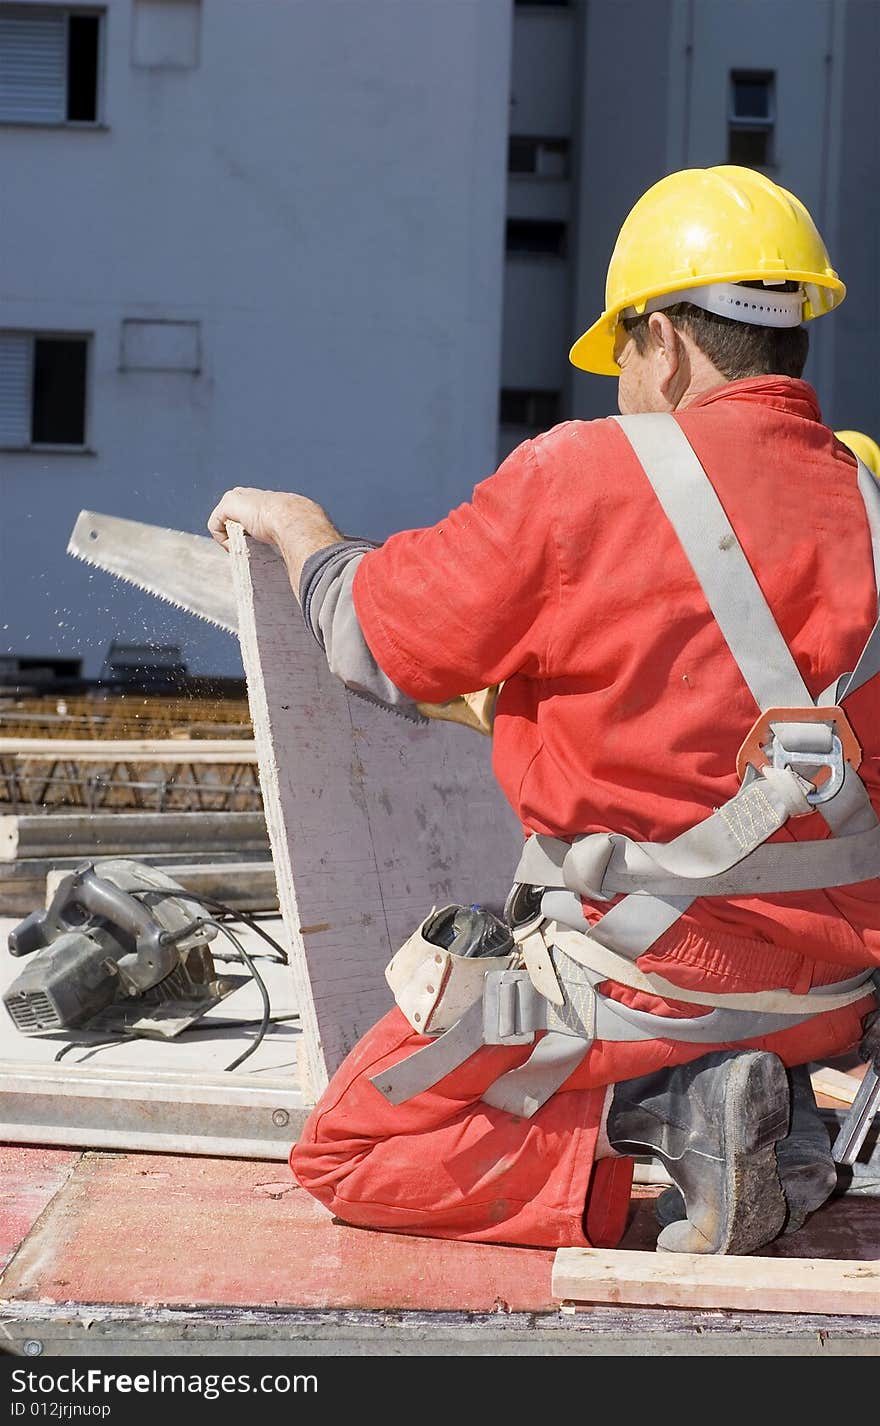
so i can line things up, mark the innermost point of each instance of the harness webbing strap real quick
(710, 542)
(433, 1061)
(590, 953)
(523, 1090)
(869, 660)
(773, 869)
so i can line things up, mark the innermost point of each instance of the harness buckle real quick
(510, 1003)
(823, 765)
(829, 778)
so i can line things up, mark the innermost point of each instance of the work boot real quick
(713, 1124)
(803, 1157)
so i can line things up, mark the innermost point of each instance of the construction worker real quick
(864, 447)
(675, 603)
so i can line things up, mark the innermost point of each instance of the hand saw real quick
(194, 573)
(190, 571)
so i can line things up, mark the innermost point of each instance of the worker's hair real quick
(737, 349)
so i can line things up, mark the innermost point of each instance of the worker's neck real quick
(696, 378)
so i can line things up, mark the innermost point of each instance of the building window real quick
(43, 383)
(531, 237)
(533, 410)
(752, 117)
(540, 158)
(49, 65)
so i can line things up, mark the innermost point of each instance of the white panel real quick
(166, 34)
(33, 68)
(15, 388)
(160, 346)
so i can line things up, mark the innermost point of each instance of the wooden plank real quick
(184, 750)
(835, 1084)
(753, 1284)
(104, 834)
(372, 819)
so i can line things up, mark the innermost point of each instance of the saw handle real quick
(85, 895)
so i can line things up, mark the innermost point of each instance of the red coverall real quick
(622, 710)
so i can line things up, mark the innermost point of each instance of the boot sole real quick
(756, 1203)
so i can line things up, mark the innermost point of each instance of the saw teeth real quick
(147, 589)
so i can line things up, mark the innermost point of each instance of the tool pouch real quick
(432, 986)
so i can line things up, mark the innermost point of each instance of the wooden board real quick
(835, 1084)
(372, 819)
(825, 1285)
(178, 750)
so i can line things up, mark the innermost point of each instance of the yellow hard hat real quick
(714, 227)
(863, 447)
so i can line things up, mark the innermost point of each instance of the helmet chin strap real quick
(759, 307)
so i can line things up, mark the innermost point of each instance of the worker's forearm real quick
(299, 533)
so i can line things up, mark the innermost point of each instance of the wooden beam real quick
(372, 818)
(835, 1084)
(104, 834)
(826, 1285)
(178, 750)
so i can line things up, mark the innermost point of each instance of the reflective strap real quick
(525, 1089)
(772, 869)
(636, 922)
(849, 811)
(869, 660)
(735, 598)
(585, 1017)
(588, 952)
(719, 1027)
(870, 493)
(713, 846)
(592, 864)
(427, 1066)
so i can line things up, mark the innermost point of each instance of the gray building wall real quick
(322, 186)
(323, 192)
(852, 392)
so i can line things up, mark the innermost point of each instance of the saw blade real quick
(191, 572)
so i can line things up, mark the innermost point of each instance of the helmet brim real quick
(594, 350)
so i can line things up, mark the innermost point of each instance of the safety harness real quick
(800, 756)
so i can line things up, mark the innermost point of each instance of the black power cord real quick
(223, 928)
(261, 986)
(220, 907)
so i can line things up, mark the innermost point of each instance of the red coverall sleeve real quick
(472, 600)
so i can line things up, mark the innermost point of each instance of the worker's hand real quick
(264, 514)
(295, 525)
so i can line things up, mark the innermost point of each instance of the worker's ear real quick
(670, 355)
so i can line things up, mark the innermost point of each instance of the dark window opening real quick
(59, 392)
(752, 95)
(82, 68)
(752, 118)
(750, 148)
(535, 236)
(538, 410)
(544, 158)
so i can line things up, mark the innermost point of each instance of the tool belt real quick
(799, 757)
